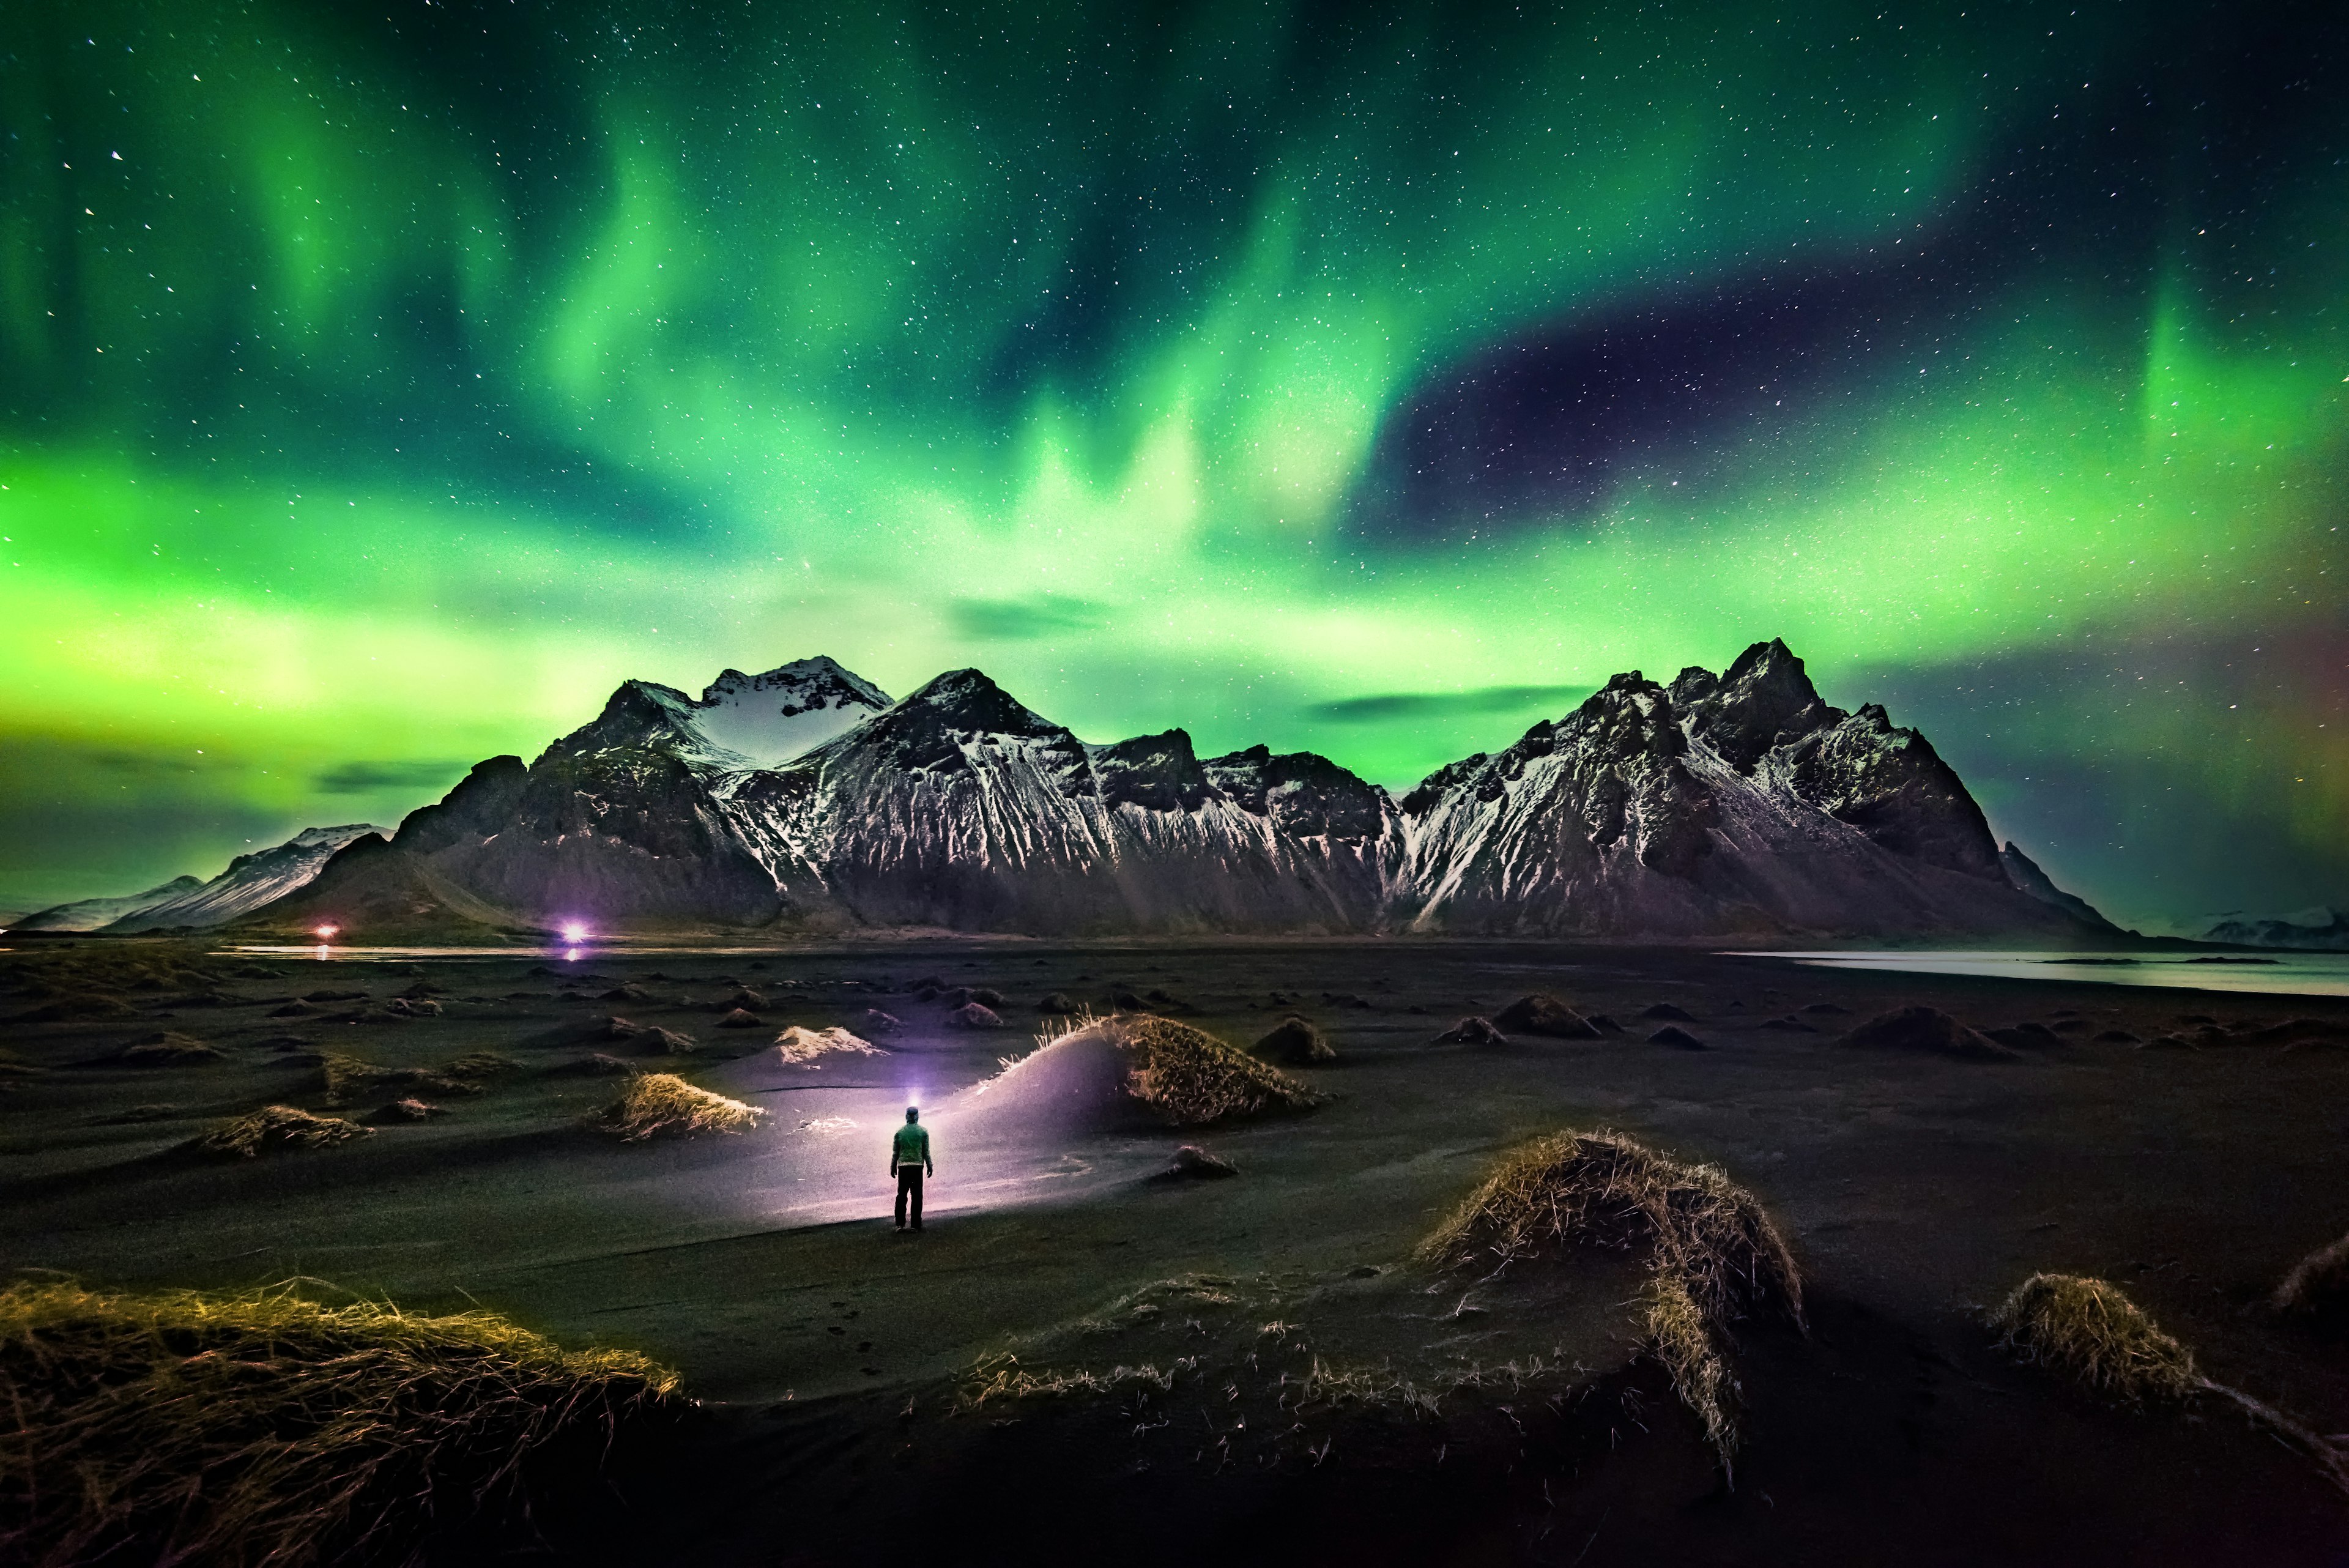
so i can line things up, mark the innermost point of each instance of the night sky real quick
(380, 385)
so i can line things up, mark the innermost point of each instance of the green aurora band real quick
(375, 392)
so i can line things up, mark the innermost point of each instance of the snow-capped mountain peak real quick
(740, 722)
(786, 712)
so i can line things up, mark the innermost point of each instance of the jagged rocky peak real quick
(928, 730)
(1157, 773)
(2024, 875)
(481, 805)
(1307, 794)
(1760, 702)
(967, 700)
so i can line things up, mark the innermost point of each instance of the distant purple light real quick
(574, 932)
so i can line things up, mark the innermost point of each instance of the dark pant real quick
(909, 1185)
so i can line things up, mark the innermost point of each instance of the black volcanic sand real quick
(1454, 1421)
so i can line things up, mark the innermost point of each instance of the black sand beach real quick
(1082, 1360)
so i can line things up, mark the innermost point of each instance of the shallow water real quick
(2280, 974)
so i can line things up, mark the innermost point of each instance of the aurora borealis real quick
(376, 390)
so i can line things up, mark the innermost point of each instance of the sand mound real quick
(1295, 1041)
(598, 1065)
(975, 1015)
(82, 1007)
(1473, 1032)
(266, 1428)
(1542, 1013)
(795, 1045)
(345, 1075)
(645, 1036)
(2026, 1037)
(1716, 1255)
(168, 1048)
(877, 1023)
(271, 1130)
(1192, 1163)
(1672, 1034)
(741, 1018)
(1124, 1071)
(662, 1105)
(1608, 1189)
(400, 1112)
(2090, 1331)
(1928, 1029)
(1057, 1002)
(2317, 1289)
(1665, 1010)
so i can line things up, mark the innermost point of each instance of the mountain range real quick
(250, 881)
(1731, 806)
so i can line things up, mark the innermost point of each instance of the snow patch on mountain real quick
(786, 712)
(250, 881)
(2319, 929)
(89, 914)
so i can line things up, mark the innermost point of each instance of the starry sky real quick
(379, 385)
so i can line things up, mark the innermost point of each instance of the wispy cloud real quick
(1020, 620)
(366, 778)
(1445, 704)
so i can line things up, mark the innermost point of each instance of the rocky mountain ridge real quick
(249, 882)
(1740, 804)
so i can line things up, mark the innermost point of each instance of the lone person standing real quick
(909, 1160)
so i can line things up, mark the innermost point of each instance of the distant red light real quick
(326, 933)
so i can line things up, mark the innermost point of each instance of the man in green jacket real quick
(909, 1159)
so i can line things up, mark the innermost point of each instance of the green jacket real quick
(911, 1147)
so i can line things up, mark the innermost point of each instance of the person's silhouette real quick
(909, 1160)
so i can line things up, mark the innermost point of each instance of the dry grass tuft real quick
(1692, 1349)
(2092, 1331)
(271, 1130)
(662, 1105)
(1000, 1376)
(1606, 1189)
(1190, 1078)
(2317, 1288)
(265, 1429)
(345, 1075)
(1717, 1256)
(796, 1045)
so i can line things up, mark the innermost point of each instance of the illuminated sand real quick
(1915, 1191)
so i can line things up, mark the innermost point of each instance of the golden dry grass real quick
(1000, 1376)
(1691, 1347)
(1716, 1256)
(1610, 1190)
(797, 1045)
(272, 1129)
(1190, 1078)
(662, 1105)
(267, 1428)
(2090, 1330)
(345, 1076)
